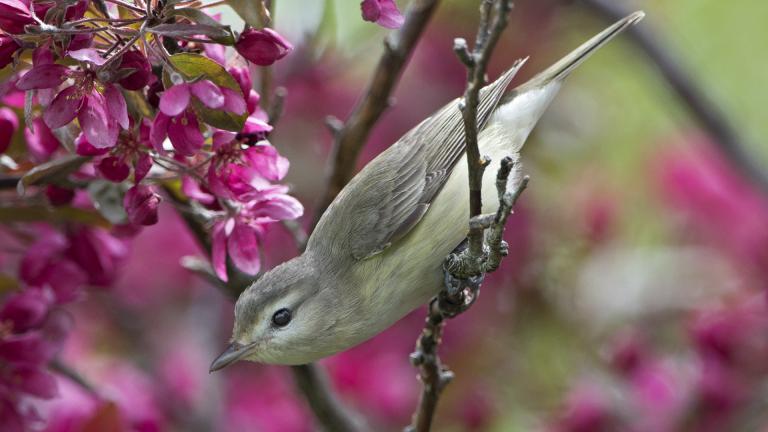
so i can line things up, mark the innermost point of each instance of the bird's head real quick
(282, 318)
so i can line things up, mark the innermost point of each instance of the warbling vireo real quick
(377, 252)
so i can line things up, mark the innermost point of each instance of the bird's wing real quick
(393, 192)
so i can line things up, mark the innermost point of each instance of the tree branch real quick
(711, 118)
(465, 270)
(350, 138)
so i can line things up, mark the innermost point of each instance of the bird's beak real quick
(233, 353)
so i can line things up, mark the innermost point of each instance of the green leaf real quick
(37, 213)
(194, 67)
(224, 35)
(50, 172)
(215, 32)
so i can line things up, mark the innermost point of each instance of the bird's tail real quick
(567, 64)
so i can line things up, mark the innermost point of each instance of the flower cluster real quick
(142, 98)
(104, 105)
(33, 325)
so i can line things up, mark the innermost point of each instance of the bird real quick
(377, 252)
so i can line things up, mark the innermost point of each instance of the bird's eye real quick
(281, 318)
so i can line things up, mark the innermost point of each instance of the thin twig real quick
(66, 371)
(313, 383)
(350, 138)
(462, 286)
(709, 115)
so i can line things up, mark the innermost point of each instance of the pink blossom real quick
(8, 125)
(101, 113)
(46, 264)
(31, 334)
(14, 15)
(239, 236)
(131, 150)
(141, 204)
(97, 252)
(262, 47)
(25, 310)
(236, 173)
(382, 12)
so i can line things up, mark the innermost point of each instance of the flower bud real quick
(141, 203)
(142, 70)
(382, 12)
(59, 196)
(113, 169)
(262, 47)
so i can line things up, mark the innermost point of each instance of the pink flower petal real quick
(208, 94)
(242, 75)
(390, 17)
(84, 148)
(116, 105)
(234, 102)
(175, 100)
(97, 125)
(221, 138)
(89, 55)
(279, 207)
(25, 310)
(33, 380)
(243, 248)
(267, 161)
(193, 191)
(142, 167)
(9, 123)
(383, 13)
(371, 10)
(41, 143)
(159, 131)
(185, 135)
(64, 108)
(42, 77)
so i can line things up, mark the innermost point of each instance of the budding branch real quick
(464, 270)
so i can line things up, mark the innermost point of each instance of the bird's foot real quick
(459, 294)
